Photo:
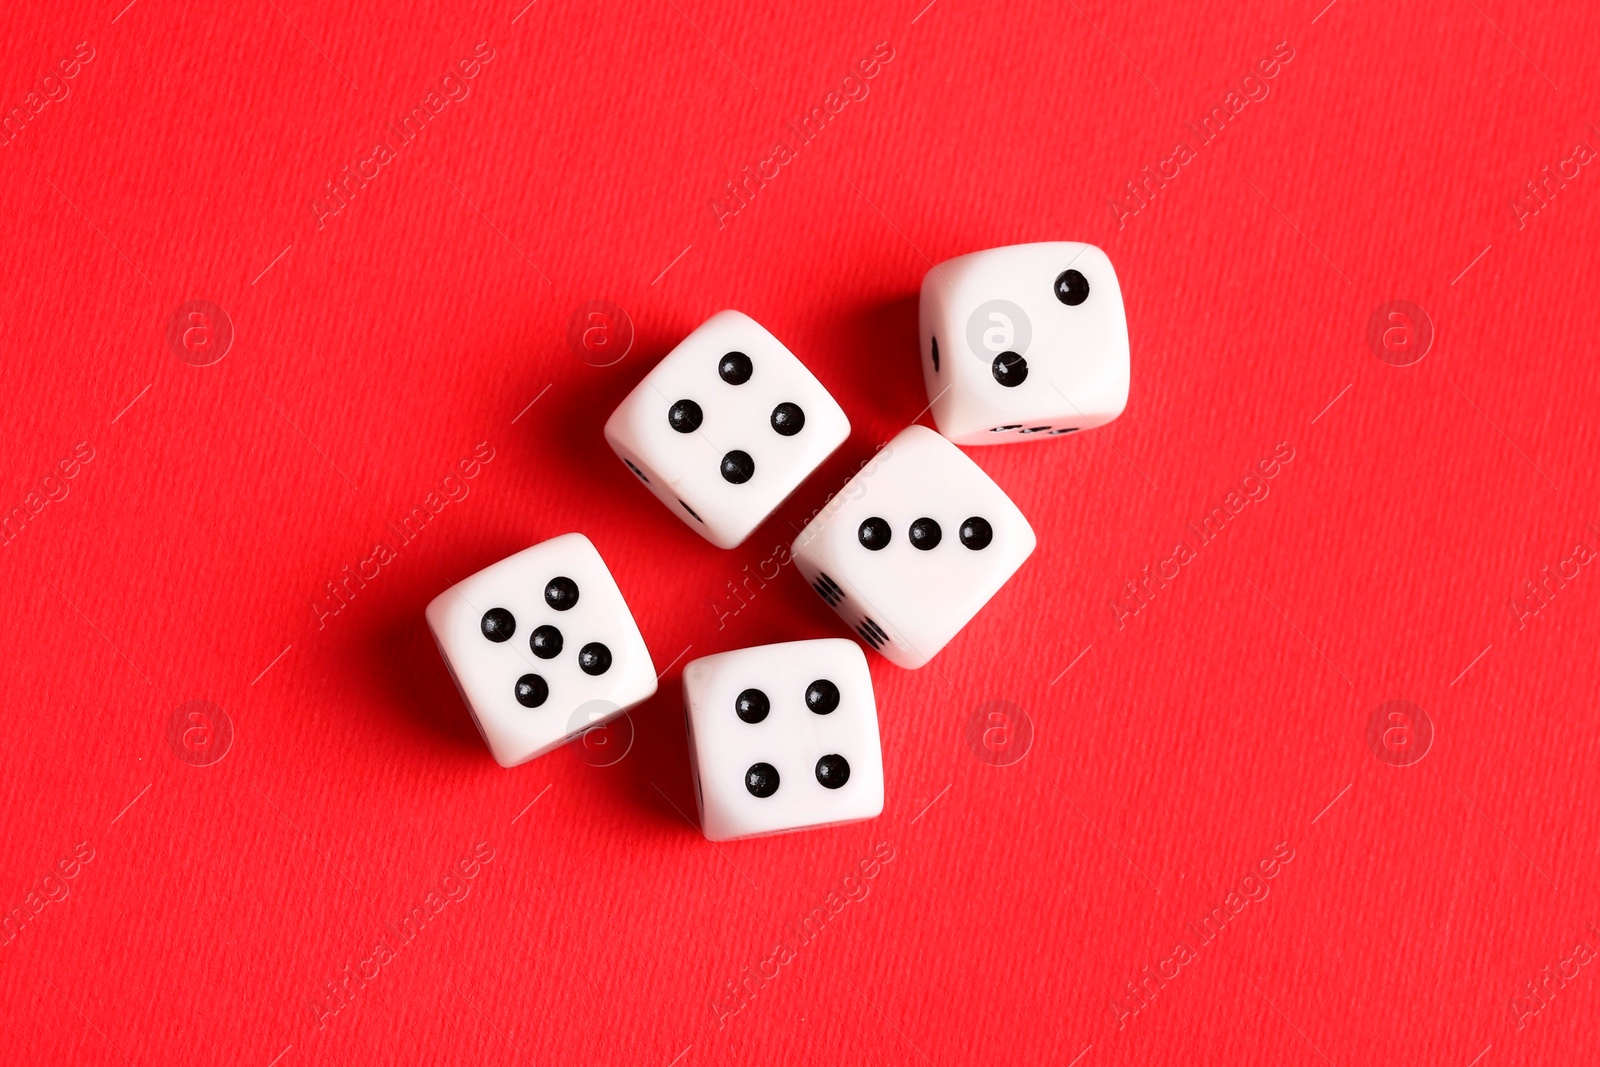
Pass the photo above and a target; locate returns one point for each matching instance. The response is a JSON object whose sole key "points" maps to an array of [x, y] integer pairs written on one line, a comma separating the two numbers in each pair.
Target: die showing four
{"points": [[782, 737], [725, 427], [753, 706]]}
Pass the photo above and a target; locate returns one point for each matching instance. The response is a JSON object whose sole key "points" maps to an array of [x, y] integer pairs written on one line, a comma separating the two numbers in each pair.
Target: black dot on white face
{"points": [[737, 467], [933, 349], [498, 624], [822, 696], [872, 633], [788, 419], [752, 706], [1036, 429], [925, 534], [692, 515], [833, 771], [545, 642], [735, 368], [561, 593], [1010, 369], [594, 658], [976, 533], [1072, 288], [1003, 429], [761, 779], [874, 534], [828, 589], [532, 691], [685, 416], [1064, 429], [637, 471]]}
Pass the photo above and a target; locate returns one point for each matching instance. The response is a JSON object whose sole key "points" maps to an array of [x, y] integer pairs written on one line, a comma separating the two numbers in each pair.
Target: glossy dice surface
{"points": [[783, 737], [913, 546], [541, 646], [725, 427], [1024, 343]]}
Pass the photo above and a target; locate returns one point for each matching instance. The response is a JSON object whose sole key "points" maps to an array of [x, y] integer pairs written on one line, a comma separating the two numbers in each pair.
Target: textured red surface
{"points": [[1173, 748]]}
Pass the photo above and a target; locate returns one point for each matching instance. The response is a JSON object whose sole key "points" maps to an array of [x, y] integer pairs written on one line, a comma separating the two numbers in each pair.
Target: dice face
{"points": [[542, 647], [913, 546], [1024, 343], [783, 737], [725, 427]]}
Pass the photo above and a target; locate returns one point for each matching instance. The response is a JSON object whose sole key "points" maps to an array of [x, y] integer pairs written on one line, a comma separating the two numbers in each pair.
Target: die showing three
{"points": [[913, 546]]}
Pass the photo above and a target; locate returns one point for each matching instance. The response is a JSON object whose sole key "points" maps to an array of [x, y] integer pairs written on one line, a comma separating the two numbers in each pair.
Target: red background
{"points": [[1169, 754]]}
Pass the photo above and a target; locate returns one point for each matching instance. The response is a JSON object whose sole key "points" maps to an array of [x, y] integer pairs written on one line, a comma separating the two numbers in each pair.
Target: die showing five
{"points": [[542, 647], [546, 642]]}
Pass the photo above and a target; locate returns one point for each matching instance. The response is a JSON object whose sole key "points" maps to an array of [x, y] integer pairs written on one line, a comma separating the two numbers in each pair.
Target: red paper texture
{"points": [[355, 881]]}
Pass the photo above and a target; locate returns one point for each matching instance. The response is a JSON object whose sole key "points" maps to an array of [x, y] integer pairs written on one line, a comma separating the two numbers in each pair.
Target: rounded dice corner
{"points": [[719, 745], [827, 559], [730, 317], [1027, 540], [576, 540], [437, 614], [674, 470], [615, 432], [505, 759], [729, 539], [453, 619], [968, 406]]}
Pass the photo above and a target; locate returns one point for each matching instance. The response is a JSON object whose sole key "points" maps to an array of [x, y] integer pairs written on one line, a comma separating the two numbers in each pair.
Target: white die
{"points": [[783, 737], [1024, 342], [571, 656], [944, 540], [725, 427]]}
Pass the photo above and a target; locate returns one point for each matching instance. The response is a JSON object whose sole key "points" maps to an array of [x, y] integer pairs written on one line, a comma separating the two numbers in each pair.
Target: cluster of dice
{"points": [[1017, 344]]}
